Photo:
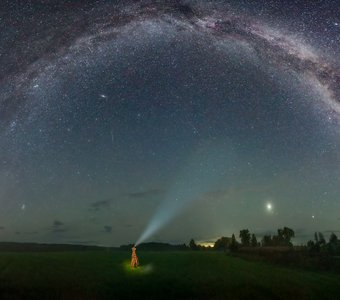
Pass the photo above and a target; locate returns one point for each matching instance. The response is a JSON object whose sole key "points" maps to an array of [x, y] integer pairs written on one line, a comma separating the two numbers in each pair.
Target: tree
{"points": [[192, 245], [333, 244], [245, 237], [222, 243], [277, 240], [267, 241], [313, 247], [233, 244], [322, 240], [253, 240], [283, 237], [333, 239], [287, 235]]}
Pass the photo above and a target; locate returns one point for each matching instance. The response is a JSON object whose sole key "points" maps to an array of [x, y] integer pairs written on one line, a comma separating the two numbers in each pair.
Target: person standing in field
{"points": [[134, 258]]}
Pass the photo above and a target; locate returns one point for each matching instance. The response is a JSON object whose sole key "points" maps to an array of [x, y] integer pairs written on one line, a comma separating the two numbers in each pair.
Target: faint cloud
{"points": [[59, 230], [99, 204], [57, 223], [332, 231], [58, 227], [30, 232], [146, 194], [93, 219], [108, 229], [300, 231]]}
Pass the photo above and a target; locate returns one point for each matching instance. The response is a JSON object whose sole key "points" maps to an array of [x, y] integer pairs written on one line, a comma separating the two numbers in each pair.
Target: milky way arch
{"points": [[51, 50], [110, 111]]}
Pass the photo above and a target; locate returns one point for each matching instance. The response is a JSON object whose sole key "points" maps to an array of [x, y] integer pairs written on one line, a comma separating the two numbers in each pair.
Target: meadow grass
{"points": [[162, 275]]}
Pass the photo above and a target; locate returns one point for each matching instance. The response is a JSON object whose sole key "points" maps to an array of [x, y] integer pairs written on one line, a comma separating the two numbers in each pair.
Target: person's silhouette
{"points": [[134, 258]]}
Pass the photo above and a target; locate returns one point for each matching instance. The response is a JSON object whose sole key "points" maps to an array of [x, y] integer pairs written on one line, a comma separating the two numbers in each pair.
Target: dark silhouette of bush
{"points": [[233, 244], [192, 245], [222, 243], [253, 240]]}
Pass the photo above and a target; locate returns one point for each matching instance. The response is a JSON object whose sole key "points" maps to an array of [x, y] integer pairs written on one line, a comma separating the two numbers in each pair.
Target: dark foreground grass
{"points": [[163, 275]]}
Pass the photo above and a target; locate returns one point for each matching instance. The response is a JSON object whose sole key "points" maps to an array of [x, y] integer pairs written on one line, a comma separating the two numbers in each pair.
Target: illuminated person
{"points": [[134, 258]]}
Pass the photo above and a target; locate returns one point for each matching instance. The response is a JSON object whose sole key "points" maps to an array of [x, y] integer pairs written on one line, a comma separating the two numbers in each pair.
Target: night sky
{"points": [[199, 118]]}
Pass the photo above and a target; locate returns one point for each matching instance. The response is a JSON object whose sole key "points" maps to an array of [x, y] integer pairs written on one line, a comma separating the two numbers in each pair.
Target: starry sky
{"points": [[202, 117]]}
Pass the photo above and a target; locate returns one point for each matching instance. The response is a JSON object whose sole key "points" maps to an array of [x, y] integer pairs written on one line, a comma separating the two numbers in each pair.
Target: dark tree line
{"points": [[281, 239], [248, 239], [319, 245]]}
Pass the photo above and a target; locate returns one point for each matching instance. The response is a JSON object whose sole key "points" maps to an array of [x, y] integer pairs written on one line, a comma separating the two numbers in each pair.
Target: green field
{"points": [[163, 275]]}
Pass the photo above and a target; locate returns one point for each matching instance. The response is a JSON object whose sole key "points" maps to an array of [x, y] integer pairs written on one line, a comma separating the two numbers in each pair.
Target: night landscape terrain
{"points": [[167, 274], [179, 149]]}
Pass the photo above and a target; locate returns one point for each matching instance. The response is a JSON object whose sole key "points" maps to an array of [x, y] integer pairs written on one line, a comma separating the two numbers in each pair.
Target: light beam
{"points": [[205, 169]]}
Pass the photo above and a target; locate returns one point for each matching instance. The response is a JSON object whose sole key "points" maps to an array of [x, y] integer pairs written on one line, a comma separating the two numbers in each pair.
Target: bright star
{"points": [[269, 207]]}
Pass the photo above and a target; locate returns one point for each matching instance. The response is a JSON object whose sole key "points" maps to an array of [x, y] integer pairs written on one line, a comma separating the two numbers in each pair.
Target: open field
{"points": [[163, 275]]}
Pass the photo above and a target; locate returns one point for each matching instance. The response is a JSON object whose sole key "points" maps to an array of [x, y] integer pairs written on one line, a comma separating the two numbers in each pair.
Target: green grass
{"points": [[162, 275]]}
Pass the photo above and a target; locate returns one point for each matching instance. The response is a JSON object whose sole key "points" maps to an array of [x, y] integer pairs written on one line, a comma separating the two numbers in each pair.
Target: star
{"points": [[269, 207]]}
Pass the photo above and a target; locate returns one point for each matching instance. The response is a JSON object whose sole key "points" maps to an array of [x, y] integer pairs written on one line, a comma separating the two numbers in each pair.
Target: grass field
{"points": [[163, 275]]}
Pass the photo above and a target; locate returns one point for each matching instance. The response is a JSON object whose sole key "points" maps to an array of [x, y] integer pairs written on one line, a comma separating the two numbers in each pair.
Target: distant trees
{"points": [[319, 239], [313, 247], [193, 245], [333, 239], [223, 243], [233, 244], [319, 245], [253, 240], [267, 241], [226, 243], [333, 245], [286, 234], [245, 237], [283, 238], [322, 240]]}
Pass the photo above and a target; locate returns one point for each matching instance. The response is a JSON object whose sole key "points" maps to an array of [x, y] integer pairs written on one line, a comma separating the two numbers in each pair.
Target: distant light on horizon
{"points": [[205, 244]]}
